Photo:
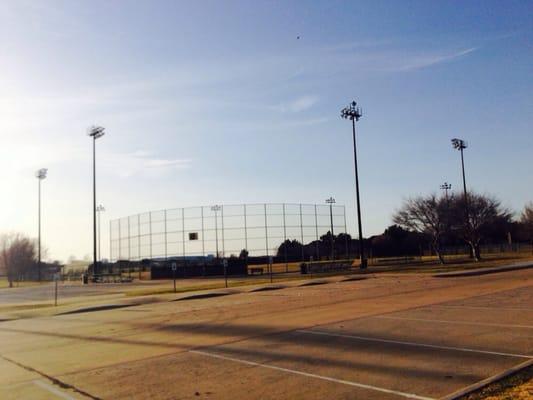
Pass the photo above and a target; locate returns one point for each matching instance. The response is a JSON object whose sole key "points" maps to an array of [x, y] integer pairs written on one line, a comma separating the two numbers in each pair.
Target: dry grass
{"points": [[4, 284], [515, 387]]}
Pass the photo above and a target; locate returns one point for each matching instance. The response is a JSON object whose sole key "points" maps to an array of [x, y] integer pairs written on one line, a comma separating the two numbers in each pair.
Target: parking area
{"points": [[387, 337]]}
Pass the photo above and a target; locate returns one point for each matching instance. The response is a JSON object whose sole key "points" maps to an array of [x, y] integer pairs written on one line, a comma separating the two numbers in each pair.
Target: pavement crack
{"points": [[55, 381]]}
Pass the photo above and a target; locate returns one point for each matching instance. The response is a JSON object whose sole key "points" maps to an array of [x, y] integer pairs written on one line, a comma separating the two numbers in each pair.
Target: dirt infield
{"points": [[387, 337]]}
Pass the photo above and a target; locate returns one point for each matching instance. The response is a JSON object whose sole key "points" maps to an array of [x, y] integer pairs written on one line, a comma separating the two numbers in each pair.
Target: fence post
{"points": [[165, 217], [110, 240], [129, 240], [245, 230], [119, 240], [222, 227], [266, 229], [150, 233], [203, 242], [139, 236], [183, 235]]}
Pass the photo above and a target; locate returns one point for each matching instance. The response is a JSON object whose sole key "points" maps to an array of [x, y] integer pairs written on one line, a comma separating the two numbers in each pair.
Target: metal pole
{"points": [[139, 236], [183, 235], [174, 277], [285, 240], [216, 232], [111, 240], [99, 237], [345, 231], [302, 232], [464, 188], [55, 291], [316, 233], [332, 234], [363, 262], [39, 234], [166, 249], [203, 241], [119, 240], [95, 269], [266, 229], [150, 233], [222, 222], [129, 240], [270, 264], [245, 229]]}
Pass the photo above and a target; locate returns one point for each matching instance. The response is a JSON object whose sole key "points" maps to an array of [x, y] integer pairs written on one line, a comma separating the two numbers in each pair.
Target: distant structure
{"points": [[222, 230]]}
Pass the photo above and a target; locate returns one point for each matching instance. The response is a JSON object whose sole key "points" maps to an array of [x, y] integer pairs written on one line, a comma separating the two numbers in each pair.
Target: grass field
{"points": [[5, 284]]}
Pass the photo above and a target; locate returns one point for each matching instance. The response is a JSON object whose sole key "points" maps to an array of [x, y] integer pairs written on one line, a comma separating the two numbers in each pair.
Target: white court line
{"points": [[53, 390], [431, 346], [309, 375], [522, 309], [442, 321]]}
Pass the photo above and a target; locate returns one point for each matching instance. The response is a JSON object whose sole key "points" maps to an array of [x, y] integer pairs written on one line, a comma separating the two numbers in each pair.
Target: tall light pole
{"points": [[446, 186], [95, 132], [40, 175], [216, 209], [353, 113], [331, 201], [460, 145], [99, 210]]}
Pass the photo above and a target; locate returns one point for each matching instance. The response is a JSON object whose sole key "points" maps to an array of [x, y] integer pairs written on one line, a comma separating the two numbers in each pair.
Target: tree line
{"points": [[18, 259], [426, 221]]}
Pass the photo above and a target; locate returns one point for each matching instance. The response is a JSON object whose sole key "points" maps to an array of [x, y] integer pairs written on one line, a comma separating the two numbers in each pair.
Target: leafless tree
{"points": [[526, 218], [17, 256], [483, 211], [427, 215]]}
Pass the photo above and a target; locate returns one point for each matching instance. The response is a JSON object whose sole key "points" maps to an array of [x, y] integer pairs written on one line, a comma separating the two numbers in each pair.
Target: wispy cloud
{"points": [[141, 162], [419, 61], [297, 105]]}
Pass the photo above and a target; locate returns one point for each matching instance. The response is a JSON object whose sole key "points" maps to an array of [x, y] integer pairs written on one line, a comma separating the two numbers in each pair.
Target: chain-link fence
{"points": [[259, 229]]}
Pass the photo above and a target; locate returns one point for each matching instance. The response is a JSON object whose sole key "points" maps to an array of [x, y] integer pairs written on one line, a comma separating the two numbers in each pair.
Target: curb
{"points": [[485, 382], [482, 271]]}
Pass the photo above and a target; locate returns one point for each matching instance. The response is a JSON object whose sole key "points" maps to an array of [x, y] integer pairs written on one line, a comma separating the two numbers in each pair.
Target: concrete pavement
{"points": [[389, 337]]}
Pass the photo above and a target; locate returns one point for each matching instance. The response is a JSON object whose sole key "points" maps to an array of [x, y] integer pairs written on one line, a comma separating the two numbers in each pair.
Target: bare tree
{"points": [[17, 256], [484, 211], [526, 218], [426, 215]]}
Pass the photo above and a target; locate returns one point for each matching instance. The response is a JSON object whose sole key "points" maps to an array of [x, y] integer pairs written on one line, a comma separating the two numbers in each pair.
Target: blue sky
{"points": [[220, 102]]}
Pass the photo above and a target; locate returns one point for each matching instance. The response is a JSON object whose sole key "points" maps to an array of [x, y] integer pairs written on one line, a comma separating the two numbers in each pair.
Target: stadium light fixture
{"points": [[446, 186], [40, 175], [216, 209], [354, 113], [95, 132]]}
